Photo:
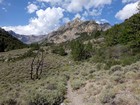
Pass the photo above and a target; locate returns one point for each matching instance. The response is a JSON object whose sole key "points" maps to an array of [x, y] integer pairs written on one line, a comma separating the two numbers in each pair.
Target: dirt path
{"points": [[73, 97]]}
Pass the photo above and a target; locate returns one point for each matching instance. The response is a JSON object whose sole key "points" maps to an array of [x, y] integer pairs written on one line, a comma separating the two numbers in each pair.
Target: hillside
{"points": [[127, 33], [65, 81], [99, 67], [118, 45], [8, 42], [73, 29]]}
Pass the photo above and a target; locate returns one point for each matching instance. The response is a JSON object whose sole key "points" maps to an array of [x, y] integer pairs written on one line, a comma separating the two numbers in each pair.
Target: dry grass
{"points": [[119, 85]]}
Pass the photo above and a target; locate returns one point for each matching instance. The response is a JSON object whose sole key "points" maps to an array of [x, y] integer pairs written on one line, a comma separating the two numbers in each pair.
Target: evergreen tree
{"points": [[77, 50], [88, 50], [2, 45]]}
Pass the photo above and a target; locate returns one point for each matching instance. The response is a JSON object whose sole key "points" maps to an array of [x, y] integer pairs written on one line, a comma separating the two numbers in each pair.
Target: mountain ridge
{"points": [[72, 30], [27, 39]]}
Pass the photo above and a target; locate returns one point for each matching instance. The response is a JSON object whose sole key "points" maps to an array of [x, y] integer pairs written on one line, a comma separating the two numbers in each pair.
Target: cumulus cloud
{"points": [[127, 11], [46, 21], [76, 5], [32, 8]]}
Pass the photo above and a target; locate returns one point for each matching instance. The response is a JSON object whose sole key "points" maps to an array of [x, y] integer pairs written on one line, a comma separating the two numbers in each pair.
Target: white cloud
{"points": [[1, 1], [95, 12], [85, 14], [98, 3], [46, 21], [101, 21], [77, 16], [4, 9], [104, 21], [32, 8], [53, 2], [127, 11], [78, 5], [66, 20], [129, 1]]}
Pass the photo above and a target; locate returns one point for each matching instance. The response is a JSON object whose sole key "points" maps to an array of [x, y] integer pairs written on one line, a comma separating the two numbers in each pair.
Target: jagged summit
{"points": [[70, 30]]}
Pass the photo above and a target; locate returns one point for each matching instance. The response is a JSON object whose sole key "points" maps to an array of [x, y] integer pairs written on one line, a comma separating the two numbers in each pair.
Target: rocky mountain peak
{"points": [[76, 21], [71, 30]]}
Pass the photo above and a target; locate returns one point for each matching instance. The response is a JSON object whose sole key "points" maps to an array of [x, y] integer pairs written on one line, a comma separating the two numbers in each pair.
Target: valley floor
{"points": [[66, 82]]}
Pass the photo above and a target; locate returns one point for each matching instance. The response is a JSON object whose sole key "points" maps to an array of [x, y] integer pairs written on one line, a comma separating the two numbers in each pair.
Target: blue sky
{"points": [[43, 16]]}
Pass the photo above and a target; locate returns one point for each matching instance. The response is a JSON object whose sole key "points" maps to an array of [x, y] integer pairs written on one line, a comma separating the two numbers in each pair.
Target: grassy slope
{"points": [[96, 85]]}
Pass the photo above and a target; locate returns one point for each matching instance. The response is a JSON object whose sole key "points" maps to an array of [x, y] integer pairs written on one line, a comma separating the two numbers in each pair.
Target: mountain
{"points": [[73, 29], [28, 39], [8, 42]]}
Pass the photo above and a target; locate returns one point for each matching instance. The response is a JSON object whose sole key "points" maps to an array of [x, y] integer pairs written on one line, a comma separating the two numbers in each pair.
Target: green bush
{"points": [[59, 50], [107, 96], [80, 51], [77, 50], [35, 46]]}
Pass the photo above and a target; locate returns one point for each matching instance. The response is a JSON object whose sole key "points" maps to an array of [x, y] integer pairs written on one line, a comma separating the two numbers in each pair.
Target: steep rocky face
{"points": [[28, 39], [72, 30]]}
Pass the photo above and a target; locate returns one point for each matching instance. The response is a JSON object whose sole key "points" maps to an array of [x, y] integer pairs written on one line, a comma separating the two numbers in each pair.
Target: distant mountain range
{"points": [[8, 42], [28, 39], [73, 29]]}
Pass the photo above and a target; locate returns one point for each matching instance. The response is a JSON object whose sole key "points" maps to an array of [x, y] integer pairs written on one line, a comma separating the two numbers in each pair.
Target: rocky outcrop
{"points": [[73, 29]]}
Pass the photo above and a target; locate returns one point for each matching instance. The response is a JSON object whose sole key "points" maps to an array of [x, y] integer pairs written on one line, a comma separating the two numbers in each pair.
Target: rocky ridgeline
{"points": [[73, 29], [28, 39]]}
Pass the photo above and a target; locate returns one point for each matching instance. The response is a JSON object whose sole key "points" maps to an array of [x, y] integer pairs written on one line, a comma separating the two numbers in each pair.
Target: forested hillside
{"points": [[8, 42], [127, 33]]}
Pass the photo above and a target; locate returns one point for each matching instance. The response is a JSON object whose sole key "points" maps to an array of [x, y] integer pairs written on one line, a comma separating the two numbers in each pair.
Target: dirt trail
{"points": [[73, 97]]}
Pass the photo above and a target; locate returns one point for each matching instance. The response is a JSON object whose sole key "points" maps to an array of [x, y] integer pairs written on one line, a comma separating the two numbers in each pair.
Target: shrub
{"points": [[9, 102], [77, 84], [59, 50], [88, 49], [79, 51], [115, 68], [107, 96], [35, 46]]}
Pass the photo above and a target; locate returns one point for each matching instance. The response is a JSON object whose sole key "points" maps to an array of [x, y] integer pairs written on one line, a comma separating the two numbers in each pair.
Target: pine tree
{"points": [[88, 50], [2, 45], [77, 50]]}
